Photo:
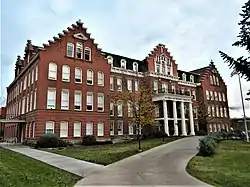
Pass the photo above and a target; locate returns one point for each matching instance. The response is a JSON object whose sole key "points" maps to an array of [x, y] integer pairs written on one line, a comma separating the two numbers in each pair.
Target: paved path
{"points": [[164, 165], [78, 167]]}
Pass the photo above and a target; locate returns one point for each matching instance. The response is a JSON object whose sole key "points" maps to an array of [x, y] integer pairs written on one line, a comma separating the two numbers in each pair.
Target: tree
{"points": [[203, 115], [242, 64], [142, 108]]}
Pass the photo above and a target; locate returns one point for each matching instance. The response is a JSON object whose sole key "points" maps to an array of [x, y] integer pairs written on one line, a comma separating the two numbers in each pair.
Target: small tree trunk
{"points": [[138, 138]]}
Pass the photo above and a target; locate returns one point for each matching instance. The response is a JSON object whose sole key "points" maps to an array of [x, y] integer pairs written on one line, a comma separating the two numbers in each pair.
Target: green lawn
{"points": [[107, 154], [18, 170], [229, 167]]}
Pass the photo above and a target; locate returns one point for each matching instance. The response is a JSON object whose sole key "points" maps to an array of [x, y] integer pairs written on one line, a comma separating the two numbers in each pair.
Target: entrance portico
{"points": [[170, 102]]}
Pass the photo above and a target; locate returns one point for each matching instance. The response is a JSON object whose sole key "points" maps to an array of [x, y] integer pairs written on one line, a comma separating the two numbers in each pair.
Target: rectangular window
{"points": [[119, 84], [87, 54], [31, 101], [89, 128], [100, 78], [136, 85], [77, 129], [49, 127], [219, 94], [90, 77], [211, 80], [208, 95], [221, 112], [119, 109], [156, 86], [164, 87], [223, 97], [89, 101], [36, 73], [111, 109], [78, 75], [32, 76], [78, 100], [225, 112], [112, 128], [194, 95], [70, 50], [19, 107], [130, 129], [64, 129], [129, 85], [27, 103], [25, 82], [120, 127], [100, 129], [215, 96], [65, 100], [34, 100], [29, 79], [33, 130], [212, 95], [130, 110], [111, 83], [51, 99], [100, 102]]}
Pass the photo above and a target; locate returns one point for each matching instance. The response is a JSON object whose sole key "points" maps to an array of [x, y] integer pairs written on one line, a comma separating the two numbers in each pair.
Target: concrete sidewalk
{"points": [[78, 167], [163, 165]]}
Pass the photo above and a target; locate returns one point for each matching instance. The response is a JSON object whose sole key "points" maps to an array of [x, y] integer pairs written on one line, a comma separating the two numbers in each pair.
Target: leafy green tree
{"points": [[242, 64]]}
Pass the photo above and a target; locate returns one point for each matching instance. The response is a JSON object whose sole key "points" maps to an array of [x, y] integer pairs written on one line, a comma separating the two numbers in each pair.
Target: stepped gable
{"points": [[207, 70], [78, 30]]}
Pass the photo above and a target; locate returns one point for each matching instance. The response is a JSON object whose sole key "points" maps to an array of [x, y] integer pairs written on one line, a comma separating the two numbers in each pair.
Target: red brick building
{"points": [[67, 86]]}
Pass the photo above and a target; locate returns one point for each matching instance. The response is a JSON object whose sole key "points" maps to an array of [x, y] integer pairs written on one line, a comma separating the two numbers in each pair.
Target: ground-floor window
{"points": [[89, 128], [210, 128], [215, 128], [120, 128], [130, 129], [219, 129], [112, 128], [64, 129], [139, 129], [49, 127], [77, 129], [100, 129]]}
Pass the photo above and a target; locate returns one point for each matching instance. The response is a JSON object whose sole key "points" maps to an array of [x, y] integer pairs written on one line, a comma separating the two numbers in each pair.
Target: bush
{"points": [[104, 142], [159, 134], [89, 140], [31, 143], [62, 143], [207, 146], [48, 140], [201, 133]]}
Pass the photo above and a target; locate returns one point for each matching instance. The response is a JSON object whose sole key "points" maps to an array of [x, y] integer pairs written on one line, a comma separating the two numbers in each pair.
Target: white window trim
{"points": [[135, 66], [52, 74], [112, 131], [65, 76], [65, 107], [100, 104], [100, 129], [80, 47], [89, 50], [64, 131], [92, 101], [119, 84], [89, 128], [52, 90], [47, 124], [121, 131], [78, 76], [119, 103], [78, 93], [77, 132], [123, 64], [111, 81], [90, 78], [70, 45], [100, 79]]}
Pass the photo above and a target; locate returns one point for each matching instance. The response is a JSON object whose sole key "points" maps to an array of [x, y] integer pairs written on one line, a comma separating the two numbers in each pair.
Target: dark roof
{"points": [[142, 65], [196, 76]]}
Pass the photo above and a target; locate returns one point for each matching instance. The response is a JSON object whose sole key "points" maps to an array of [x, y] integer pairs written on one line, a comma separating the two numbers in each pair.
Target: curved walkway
{"points": [[163, 165]]}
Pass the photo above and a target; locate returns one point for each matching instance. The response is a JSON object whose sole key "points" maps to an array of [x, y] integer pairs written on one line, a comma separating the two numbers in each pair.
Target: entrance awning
{"points": [[12, 121]]}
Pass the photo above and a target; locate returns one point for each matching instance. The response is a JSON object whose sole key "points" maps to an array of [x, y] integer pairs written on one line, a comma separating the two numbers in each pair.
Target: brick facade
{"points": [[34, 69]]}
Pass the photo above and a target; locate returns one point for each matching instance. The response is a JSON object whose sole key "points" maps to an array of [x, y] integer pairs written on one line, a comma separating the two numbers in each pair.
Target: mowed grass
{"points": [[229, 167], [17, 170], [107, 154]]}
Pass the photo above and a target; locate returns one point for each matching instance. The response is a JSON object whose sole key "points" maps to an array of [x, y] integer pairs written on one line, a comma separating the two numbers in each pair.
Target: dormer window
{"points": [[123, 64], [110, 60], [157, 68], [79, 50], [135, 66], [191, 78], [184, 77]]}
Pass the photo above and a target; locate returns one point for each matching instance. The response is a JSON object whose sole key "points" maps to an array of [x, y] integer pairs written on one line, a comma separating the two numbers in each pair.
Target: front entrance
{"points": [[21, 132]]}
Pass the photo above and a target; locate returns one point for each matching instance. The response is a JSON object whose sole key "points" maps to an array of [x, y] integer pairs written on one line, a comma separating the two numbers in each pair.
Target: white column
{"points": [[175, 119], [165, 112], [191, 119], [183, 123]]}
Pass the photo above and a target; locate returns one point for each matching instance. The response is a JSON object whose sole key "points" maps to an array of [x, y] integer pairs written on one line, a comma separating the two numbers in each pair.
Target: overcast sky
{"points": [[192, 30]]}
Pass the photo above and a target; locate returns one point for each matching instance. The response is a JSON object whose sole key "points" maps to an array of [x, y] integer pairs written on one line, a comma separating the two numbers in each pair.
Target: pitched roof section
{"points": [[142, 65]]}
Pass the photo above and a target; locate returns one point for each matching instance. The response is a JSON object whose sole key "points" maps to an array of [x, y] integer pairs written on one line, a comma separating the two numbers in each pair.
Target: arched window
{"points": [[110, 60], [52, 71], [135, 66], [90, 77], [191, 78], [65, 73], [119, 109], [112, 105], [123, 64], [184, 76], [78, 75], [79, 50], [100, 78], [87, 54]]}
